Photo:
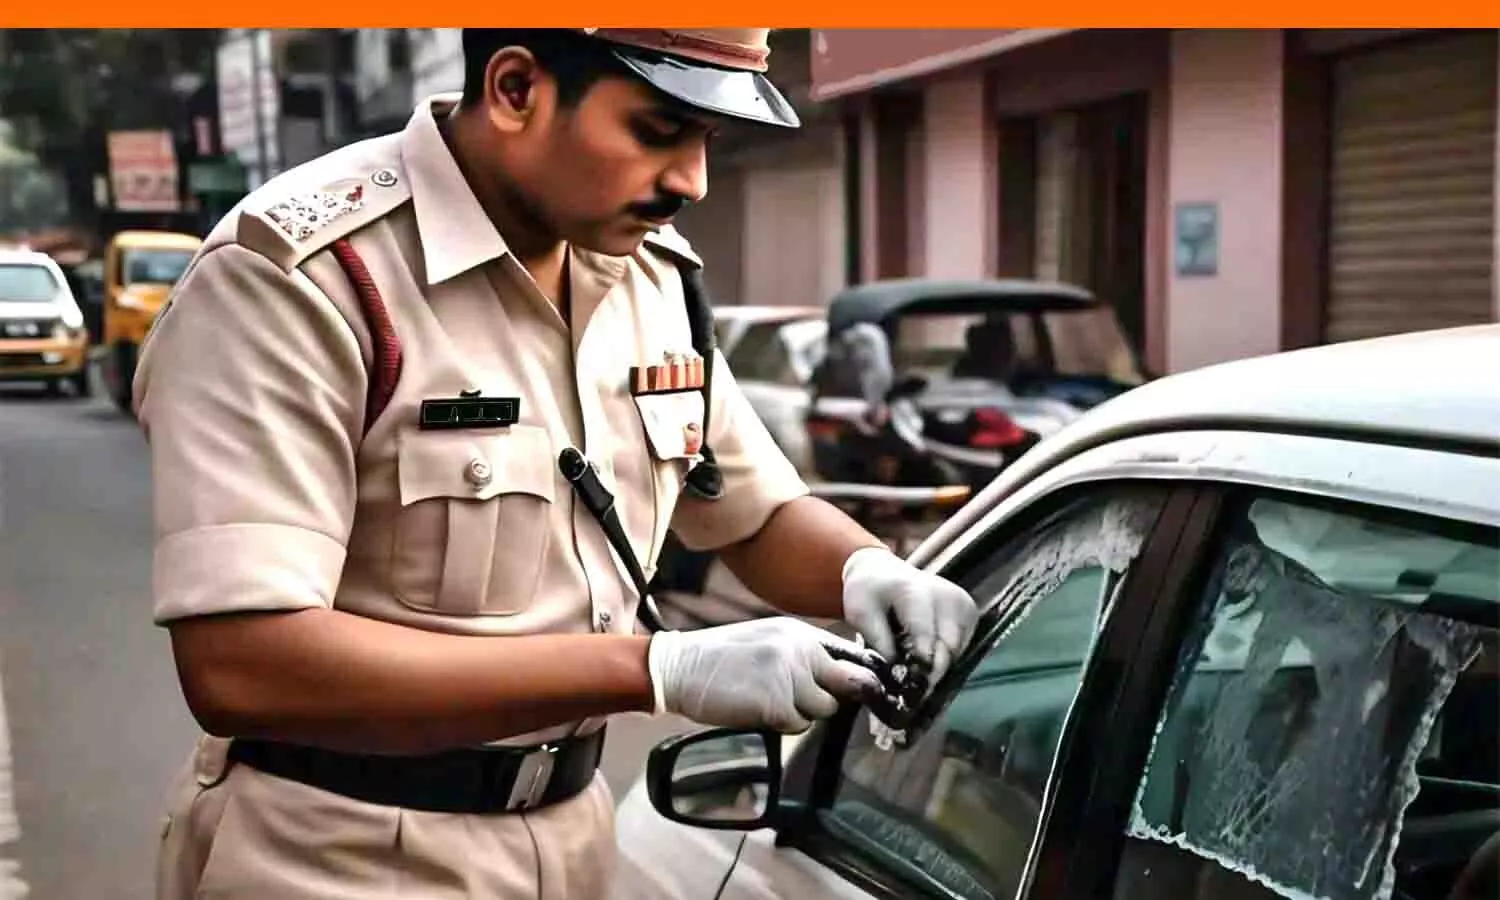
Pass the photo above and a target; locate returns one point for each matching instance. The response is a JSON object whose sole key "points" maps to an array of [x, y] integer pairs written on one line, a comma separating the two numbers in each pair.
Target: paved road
{"points": [[96, 724]]}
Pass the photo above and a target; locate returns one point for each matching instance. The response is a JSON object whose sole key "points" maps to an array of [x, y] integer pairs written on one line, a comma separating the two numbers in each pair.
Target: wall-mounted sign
{"points": [[143, 171], [1196, 244]]}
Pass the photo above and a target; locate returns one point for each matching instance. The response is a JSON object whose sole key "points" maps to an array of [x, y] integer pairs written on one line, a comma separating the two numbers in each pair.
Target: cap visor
{"points": [[727, 92]]}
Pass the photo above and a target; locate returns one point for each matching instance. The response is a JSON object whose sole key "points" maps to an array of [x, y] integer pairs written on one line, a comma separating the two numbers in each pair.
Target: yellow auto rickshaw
{"points": [[140, 270]]}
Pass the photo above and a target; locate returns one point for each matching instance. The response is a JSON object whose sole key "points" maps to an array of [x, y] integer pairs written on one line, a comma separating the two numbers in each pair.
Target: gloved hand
{"points": [[779, 673], [937, 615]]}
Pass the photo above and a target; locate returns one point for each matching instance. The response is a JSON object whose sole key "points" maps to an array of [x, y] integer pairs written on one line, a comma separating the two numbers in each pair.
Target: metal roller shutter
{"points": [[1412, 230]]}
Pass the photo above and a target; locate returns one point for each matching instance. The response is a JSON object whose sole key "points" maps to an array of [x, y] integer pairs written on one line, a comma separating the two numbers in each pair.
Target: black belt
{"points": [[473, 781]]}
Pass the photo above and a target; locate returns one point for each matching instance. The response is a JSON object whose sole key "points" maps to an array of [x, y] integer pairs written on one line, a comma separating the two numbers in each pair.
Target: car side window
{"points": [[956, 812], [761, 356], [1331, 730]]}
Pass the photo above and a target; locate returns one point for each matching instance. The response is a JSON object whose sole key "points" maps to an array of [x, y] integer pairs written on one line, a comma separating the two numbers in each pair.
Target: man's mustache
{"points": [[663, 207]]}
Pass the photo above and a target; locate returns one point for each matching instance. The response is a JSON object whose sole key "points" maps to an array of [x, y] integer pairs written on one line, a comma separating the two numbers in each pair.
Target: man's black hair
{"points": [[572, 58]]}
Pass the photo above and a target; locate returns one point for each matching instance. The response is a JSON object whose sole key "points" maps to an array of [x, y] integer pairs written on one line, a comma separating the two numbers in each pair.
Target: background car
{"points": [[141, 267], [42, 334], [983, 369], [772, 351], [1240, 638], [732, 322]]}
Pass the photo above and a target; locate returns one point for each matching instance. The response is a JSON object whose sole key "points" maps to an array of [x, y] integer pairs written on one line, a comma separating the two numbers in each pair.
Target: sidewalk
{"points": [[11, 885]]}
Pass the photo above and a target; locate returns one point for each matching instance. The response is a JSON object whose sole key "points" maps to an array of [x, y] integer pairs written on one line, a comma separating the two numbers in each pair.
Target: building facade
{"points": [[772, 230], [383, 79], [437, 61], [285, 96], [1231, 192]]}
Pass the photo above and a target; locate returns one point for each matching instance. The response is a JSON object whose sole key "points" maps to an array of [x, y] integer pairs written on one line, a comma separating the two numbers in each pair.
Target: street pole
{"points": [[257, 72], [332, 132]]}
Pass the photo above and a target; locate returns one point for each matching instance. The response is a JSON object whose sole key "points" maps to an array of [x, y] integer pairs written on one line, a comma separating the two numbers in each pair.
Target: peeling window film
{"points": [[1289, 748], [966, 796], [1102, 537]]}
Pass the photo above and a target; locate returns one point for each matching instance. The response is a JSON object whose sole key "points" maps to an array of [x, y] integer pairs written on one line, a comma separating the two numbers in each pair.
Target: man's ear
{"points": [[510, 87]]}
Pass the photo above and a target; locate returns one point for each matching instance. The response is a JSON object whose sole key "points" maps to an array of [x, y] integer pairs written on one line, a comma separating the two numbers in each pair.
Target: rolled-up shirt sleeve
{"points": [[250, 391], [758, 477]]}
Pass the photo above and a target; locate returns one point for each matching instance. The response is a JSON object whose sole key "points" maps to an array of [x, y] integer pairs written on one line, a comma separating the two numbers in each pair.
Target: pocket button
{"points": [[477, 472]]}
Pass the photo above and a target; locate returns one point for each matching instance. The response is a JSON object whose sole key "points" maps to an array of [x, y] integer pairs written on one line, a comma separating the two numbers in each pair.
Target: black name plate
{"points": [[470, 412]]}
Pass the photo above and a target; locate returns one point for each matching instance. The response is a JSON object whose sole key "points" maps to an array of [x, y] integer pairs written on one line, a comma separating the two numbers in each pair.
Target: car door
{"points": [[956, 814], [1328, 718]]}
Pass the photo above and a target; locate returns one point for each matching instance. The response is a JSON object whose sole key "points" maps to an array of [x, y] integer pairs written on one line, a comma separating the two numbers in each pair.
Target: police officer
{"points": [[400, 631]]}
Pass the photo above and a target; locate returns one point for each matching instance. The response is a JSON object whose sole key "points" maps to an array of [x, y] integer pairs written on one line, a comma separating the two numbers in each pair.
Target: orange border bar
{"points": [[886, 14]]}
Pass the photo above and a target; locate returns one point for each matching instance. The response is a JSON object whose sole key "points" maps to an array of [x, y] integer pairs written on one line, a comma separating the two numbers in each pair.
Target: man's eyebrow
{"points": [[678, 113]]}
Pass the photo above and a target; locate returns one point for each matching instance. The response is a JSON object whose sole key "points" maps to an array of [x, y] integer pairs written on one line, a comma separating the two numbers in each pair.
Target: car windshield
{"points": [[156, 266], [26, 283], [1052, 343]]}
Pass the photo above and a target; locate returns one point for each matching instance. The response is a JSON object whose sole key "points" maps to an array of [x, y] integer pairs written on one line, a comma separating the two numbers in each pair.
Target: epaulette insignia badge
{"points": [[301, 217]]}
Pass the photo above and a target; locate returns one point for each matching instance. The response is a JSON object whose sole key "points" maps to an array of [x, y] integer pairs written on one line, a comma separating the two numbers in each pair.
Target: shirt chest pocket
{"points": [[475, 521], [673, 425]]}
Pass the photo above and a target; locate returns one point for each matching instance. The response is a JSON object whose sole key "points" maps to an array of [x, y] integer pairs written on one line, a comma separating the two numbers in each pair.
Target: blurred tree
{"points": [[30, 197], [63, 89]]}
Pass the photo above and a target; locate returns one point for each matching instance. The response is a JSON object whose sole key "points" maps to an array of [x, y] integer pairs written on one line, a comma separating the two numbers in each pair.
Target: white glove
{"points": [[936, 615], [779, 673]]}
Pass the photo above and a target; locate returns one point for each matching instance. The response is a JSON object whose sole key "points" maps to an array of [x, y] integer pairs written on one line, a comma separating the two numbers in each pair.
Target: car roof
{"points": [[876, 301], [1439, 386], [175, 240], [26, 257], [766, 313]]}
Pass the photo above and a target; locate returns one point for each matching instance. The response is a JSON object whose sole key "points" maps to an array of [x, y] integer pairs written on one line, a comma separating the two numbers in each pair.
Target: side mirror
{"points": [[721, 778]]}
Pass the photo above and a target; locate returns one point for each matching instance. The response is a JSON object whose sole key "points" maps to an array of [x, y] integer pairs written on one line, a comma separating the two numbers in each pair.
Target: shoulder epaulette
{"points": [[289, 226], [674, 245]]}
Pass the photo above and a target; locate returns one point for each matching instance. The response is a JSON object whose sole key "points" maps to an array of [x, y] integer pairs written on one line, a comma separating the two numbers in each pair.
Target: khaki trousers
{"points": [[233, 832]]}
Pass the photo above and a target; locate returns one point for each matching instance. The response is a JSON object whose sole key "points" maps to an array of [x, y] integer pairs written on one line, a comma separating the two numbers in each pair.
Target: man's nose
{"points": [[688, 175]]}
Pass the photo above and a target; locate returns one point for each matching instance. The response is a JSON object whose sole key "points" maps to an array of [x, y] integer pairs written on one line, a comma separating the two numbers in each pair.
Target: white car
{"points": [[1240, 639], [772, 351], [42, 333]]}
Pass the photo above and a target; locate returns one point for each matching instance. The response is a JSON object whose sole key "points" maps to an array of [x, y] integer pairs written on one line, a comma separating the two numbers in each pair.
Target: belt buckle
{"points": [[532, 778]]}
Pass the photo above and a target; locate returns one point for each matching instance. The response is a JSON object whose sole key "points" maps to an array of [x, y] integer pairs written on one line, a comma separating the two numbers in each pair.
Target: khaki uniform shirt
{"points": [[251, 389]]}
